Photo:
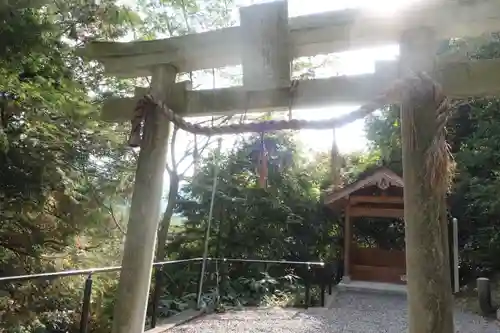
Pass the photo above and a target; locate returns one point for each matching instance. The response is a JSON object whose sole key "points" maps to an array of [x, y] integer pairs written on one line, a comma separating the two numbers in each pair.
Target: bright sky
{"points": [[350, 137]]}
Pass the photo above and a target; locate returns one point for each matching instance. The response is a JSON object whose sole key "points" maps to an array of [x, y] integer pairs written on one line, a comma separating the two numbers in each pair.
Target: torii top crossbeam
{"points": [[267, 41], [309, 35]]}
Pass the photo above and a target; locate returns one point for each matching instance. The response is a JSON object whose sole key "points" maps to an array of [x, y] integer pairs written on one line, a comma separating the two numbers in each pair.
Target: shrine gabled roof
{"points": [[381, 177]]}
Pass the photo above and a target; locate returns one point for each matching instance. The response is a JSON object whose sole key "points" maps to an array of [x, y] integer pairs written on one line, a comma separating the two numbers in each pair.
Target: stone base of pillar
{"points": [[346, 279]]}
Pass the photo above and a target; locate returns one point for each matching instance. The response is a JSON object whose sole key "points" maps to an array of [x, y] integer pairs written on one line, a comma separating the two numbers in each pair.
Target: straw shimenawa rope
{"points": [[148, 103], [439, 165]]}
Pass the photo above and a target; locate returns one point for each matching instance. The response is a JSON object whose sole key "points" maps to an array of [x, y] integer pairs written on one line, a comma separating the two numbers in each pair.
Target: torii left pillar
{"points": [[131, 303]]}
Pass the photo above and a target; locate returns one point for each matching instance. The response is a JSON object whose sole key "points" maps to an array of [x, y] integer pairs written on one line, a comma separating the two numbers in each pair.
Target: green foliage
{"points": [[61, 169], [285, 221], [272, 217], [65, 176], [51, 137]]}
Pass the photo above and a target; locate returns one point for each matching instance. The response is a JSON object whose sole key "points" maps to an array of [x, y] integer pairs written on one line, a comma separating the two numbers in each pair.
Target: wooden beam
{"points": [[356, 199], [266, 52], [459, 80], [479, 78], [376, 212], [309, 94], [310, 35], [121, 109]]}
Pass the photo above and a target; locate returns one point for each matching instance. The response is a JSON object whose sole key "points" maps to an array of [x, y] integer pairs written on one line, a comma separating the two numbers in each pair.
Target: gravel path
{"points": [[352, 313]]}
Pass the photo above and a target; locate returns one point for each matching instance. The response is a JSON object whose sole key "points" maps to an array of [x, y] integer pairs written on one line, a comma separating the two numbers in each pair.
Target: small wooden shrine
{"points": [[377, 194]]}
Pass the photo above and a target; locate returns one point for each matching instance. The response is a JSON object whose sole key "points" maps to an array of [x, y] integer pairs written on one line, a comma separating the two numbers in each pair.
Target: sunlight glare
{"points": [[386, 7]]}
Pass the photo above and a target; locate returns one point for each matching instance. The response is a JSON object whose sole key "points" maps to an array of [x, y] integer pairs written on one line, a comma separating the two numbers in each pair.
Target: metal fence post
{"points": [[156, 295], [87, 293], [199, 285], [308, 287], [323, 276], [456, 263], [450, 251]]}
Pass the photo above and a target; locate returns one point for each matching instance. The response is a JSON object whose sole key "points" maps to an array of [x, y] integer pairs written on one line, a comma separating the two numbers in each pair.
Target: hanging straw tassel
{"points": [[335, 164], [196, 157], [263, 160], [135, 136]]}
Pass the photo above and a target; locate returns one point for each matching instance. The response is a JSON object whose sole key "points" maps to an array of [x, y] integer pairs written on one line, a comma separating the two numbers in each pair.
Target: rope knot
{"points": [[144, 105]]}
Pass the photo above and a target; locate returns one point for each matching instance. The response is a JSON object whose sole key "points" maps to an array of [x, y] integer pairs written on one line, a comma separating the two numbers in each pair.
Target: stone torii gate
{"points": [[264, 44]]}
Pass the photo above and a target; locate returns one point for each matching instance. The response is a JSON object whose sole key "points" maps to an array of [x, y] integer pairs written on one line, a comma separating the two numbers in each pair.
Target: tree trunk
{"points": [[161, 251], [173, 190]]}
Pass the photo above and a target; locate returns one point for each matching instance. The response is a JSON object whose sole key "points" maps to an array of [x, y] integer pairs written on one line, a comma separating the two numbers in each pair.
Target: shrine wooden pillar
{"points": [[347, 243]]}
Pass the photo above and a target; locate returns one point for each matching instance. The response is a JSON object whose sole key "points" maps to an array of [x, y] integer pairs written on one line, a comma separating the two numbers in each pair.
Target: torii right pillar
{"points": [[425, 170]]}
